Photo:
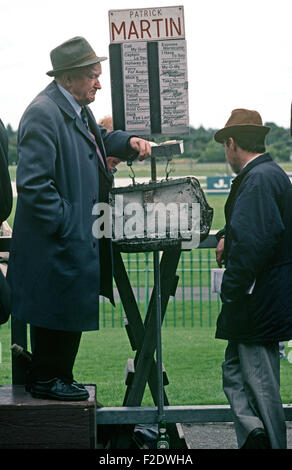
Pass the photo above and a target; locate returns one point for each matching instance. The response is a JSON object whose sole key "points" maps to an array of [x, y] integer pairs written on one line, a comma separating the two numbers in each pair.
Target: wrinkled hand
{"points": [[112, 162], [141, 146], [220, 252]]}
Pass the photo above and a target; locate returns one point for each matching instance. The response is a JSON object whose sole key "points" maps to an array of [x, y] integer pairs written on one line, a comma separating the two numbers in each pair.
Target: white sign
{"points": [[147, 24], [136, 87], [173, 86]]}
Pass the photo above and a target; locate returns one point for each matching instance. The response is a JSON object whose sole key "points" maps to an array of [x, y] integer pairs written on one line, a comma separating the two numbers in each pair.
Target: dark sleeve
{"points": [[117, 144], [6, 198], [255, 230], [220, 234]]}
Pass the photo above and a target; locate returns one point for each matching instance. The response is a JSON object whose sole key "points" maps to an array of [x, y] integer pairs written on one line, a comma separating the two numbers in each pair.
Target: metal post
{"points": [[160, 397], [157, 287]]}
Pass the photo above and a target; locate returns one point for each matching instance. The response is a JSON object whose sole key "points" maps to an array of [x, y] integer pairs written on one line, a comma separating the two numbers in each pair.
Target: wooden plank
{"points": [[130, 372], [144, 358], [135, 326], [31, 423], [173, 414], [136, 331]]}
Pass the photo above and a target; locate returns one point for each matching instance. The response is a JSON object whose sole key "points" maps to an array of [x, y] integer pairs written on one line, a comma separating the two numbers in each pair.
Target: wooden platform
{"points": [[31, 423]]}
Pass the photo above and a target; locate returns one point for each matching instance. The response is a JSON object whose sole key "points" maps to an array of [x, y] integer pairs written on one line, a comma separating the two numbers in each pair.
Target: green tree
{"points": [[213, 152]]}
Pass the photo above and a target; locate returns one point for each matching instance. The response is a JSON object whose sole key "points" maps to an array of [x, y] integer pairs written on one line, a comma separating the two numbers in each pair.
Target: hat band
{"points": [[76, 61]]}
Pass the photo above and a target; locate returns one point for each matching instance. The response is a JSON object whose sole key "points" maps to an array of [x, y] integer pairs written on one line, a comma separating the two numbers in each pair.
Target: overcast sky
{"points": [[239, 53]]}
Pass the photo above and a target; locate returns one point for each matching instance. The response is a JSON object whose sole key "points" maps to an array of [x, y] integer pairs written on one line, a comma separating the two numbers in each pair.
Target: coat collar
{"points": [[56, 95], [266, 157]]}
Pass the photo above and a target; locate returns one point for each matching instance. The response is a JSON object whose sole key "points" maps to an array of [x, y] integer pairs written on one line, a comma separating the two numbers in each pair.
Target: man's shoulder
{"points": [[265, 165], [268, 174], [41, 107]]}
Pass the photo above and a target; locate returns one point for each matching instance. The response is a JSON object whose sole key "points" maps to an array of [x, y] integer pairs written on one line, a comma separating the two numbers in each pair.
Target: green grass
{"points": [[181, 167], [191, 356]]}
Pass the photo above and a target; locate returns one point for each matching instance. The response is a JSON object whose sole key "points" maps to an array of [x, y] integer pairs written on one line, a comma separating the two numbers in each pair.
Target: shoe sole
{"points": [[52, 396]]}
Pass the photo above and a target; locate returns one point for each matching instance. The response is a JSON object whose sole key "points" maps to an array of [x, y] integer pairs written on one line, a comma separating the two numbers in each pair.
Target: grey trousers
{"points": [[251, 382]]}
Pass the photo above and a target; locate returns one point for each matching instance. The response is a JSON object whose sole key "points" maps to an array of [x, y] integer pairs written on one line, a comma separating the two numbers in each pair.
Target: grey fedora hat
{"points": [[71, 54]]}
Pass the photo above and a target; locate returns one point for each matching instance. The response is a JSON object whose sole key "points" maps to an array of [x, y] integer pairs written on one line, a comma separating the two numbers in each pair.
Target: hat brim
{"points": [[222, 134], [92, 61]]}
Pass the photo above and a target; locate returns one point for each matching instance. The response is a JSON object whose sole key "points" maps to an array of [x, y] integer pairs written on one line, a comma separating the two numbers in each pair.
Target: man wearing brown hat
{"points": [[57, 268], [256, 289]]}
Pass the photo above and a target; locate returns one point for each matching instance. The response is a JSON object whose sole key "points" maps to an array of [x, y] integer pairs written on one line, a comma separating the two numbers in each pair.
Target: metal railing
{"points": [[194, 303]]}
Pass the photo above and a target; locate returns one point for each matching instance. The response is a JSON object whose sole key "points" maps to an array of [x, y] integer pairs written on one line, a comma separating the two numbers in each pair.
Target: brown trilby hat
{"points": [[241, 120], [71, 54]]}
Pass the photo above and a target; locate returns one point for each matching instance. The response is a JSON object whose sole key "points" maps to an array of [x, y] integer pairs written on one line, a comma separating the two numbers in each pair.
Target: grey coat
{"points": [[55, 269]]}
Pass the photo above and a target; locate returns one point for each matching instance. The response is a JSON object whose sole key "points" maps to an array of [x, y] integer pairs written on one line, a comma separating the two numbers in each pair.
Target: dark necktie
{"points": [[84, 118]]}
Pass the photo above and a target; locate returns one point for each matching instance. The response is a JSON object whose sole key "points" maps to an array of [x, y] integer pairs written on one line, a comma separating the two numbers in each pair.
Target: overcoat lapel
{"points": [[53, 91]]}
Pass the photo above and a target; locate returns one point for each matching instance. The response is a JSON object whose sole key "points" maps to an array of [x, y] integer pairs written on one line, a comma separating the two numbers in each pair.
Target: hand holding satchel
{"points": [[5, 299]]}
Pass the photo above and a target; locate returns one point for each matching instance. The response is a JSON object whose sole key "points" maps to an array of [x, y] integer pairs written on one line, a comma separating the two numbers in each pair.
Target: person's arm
{"points": [[125, 146], [255, 229], [6, 197], [220, 253], [220, 247]]}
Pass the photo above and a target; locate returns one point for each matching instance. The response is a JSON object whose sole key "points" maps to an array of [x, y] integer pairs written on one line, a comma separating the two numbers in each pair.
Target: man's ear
{"points": [[67, 78], [232, 143]]}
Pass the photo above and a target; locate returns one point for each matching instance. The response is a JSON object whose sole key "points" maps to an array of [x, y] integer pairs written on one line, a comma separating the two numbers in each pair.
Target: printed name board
{"points": [[145, 24], [149, 79]]}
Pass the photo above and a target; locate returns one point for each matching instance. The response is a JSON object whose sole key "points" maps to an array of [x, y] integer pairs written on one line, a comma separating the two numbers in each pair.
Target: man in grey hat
{"points": [[256, 290], [57, 268]]}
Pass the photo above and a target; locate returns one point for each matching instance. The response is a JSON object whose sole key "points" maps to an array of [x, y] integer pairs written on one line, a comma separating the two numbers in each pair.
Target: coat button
{"points": [[91, 156], [93, 244]]}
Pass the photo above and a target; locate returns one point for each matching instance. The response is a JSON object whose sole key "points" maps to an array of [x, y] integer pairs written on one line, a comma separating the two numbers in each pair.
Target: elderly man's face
{"points": [[85, 85]]}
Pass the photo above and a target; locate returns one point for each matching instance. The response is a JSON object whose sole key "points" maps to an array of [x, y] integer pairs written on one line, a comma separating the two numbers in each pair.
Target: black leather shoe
{"points": [[82, 386], [78, 384], [257, 439], [56, 389]]}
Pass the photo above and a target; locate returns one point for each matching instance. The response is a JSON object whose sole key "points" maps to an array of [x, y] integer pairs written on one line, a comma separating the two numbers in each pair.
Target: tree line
{"points": [[199, 144]]}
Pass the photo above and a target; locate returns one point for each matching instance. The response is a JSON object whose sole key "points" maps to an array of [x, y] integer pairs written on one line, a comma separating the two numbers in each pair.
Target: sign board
{"points": [[219, 184], [146, 24], [148, 62]]}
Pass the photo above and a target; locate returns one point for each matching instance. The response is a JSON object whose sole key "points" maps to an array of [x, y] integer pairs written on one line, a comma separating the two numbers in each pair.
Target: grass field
{"points": [[182, 167], [191, 356]]}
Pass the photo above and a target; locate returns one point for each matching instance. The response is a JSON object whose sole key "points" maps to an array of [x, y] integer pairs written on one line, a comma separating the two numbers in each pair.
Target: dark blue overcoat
{"points": [[258, 248], [54, 268]]}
